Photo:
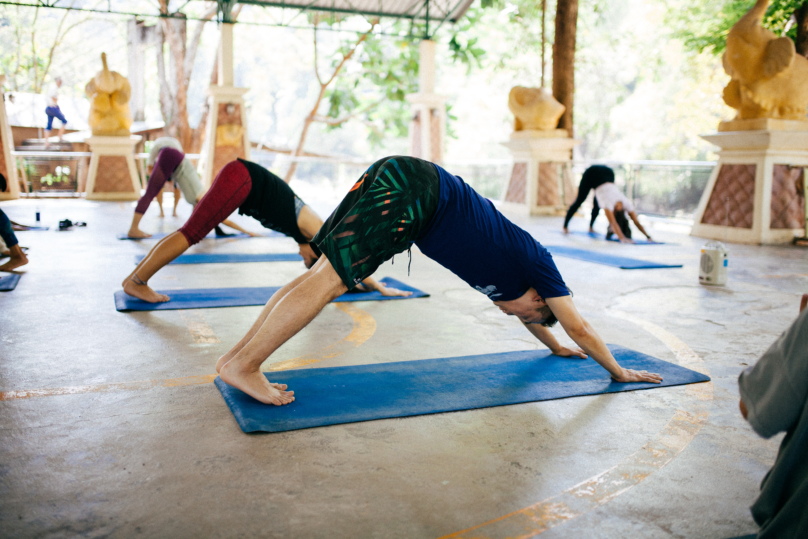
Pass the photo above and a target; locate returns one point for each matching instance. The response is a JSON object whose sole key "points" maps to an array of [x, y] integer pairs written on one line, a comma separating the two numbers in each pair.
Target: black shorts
{"points": [[388, 209]]}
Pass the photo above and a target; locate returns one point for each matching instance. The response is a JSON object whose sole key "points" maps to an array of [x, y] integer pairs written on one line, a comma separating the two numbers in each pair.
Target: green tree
{"points": [[704, 26]]}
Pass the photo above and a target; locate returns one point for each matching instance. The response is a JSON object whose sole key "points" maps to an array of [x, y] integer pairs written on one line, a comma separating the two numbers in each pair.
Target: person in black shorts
{"points": [[399, 201], [252, 190]]}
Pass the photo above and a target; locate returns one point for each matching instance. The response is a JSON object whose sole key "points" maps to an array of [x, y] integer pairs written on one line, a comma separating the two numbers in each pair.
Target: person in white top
{"points": [[616, 205], [53, 111]]}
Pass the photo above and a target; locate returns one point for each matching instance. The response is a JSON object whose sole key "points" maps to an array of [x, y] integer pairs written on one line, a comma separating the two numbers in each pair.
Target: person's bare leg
{"points": [[47, 138], [159, 198], [161, 254], [134, 230], [291, 314], [17, 258], [276, 297], [62, 133], [176, 200]]}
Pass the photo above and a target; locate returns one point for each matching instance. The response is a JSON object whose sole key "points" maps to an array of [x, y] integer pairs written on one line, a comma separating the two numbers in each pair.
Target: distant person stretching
{"points": [[397, 202], [616, 205], [53, 111], [593, 177], [252, 190], [166, 162], [17, 257]]}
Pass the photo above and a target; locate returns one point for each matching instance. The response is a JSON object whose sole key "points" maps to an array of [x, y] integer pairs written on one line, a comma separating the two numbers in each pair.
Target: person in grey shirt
{"points": [[774, 398]]}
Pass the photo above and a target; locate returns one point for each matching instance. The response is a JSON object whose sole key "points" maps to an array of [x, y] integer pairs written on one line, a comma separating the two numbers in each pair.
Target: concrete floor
{"points": [[128, 437]]}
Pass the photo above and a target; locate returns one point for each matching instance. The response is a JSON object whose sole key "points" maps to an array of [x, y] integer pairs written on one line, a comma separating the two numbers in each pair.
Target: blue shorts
{"points": [[54, 112]]}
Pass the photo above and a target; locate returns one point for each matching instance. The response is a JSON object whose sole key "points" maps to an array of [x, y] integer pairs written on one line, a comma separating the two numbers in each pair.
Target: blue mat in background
{"points": [[207, 298], [211, 236], [232, 258], [331, 396], [33, 228], [598, 257], [8, 281], [602, 237]]}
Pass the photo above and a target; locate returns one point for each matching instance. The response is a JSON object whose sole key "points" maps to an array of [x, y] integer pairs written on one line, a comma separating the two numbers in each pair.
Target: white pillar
{"points": [[428, 126], [226, 55]]}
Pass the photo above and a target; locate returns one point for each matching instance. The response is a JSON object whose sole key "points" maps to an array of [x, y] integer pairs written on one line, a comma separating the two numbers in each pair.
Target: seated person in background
{"points": [[609, 197], [252, 190], [593, 177], [774, 398], [17, 257], [167, 162]]}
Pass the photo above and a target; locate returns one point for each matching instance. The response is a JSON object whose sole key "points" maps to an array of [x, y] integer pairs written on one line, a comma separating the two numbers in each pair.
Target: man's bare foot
{"points": [[143, 291], [162, 215], [14, 262], [174, 214], [256, 385], [137, 233]]}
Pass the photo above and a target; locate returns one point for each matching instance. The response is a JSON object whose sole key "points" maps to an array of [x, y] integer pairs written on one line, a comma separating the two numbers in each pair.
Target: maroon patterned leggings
{"points": [[164, 166], [228, 192]]}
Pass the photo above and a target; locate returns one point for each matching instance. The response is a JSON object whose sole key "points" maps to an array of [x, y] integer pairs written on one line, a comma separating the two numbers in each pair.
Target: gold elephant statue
{"points": [[109, 93], [534, 109], [769, 78]]}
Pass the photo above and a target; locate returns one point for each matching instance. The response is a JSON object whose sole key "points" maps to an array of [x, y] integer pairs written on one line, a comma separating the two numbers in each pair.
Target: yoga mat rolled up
{"points": [[336, 395], [232, 258], [8, 281], [597, 257], [207, 298]]}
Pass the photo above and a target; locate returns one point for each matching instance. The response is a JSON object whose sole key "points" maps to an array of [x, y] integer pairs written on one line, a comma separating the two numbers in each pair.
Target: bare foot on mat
{"points": [[143, 291], [137, 233], [255, 384]]}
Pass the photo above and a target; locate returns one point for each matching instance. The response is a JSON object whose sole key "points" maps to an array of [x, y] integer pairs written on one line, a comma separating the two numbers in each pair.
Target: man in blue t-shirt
{"points": [[397, 202]]}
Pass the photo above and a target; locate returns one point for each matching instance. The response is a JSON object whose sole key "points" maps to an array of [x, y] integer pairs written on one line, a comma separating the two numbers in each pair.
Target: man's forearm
{"points": [[585, 337], [544, 335]]}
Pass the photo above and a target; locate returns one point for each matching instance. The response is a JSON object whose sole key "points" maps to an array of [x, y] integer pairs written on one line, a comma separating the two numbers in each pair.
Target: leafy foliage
{"points": [[704, 26]]}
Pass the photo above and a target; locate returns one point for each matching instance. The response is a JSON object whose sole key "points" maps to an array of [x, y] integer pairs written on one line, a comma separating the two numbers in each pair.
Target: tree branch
{"points": [[338, 121]]}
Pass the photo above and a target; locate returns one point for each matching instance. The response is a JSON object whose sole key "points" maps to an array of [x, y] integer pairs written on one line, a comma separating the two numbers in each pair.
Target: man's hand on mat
{"points": [[254, 234], [393, 292], [563, 351], [630, 375]]}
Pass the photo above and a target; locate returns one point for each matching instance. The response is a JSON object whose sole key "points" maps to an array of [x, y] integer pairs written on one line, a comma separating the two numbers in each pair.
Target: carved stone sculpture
{"points": [[769, 79], [109, 93], [534, 109]]}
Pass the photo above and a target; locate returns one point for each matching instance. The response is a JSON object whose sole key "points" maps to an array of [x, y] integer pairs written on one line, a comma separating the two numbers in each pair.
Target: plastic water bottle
{"points": [[37, 215]]}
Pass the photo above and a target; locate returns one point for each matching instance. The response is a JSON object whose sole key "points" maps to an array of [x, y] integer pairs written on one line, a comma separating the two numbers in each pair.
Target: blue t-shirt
{"points": [[471, 238]]}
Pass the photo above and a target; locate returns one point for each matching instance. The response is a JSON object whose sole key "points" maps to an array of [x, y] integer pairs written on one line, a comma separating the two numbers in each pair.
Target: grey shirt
{"points": [[775, 392], [185, 176]]}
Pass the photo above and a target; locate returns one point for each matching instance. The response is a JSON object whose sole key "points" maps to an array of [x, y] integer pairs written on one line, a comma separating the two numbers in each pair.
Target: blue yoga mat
{"points": [[207, 298], [8, 281], [232, 258], [161, 235], [598, 236], [330, 396], [33, 228], [597, 257]]}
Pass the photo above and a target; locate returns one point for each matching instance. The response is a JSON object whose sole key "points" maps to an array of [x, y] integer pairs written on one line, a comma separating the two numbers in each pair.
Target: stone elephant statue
{"points": [[769, 78], [109, 93], [534, 109]]}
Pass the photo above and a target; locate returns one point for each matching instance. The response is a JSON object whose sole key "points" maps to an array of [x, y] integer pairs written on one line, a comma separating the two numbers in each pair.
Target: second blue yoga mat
{"points": [[207, 298], [599, 236], [598, 257], [8, 281], [331, 396], [232, 258], [161, 235]]}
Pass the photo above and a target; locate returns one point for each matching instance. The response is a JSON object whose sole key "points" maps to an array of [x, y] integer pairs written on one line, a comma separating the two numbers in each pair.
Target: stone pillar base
{"points": [[113, 174], [541, 176], [755, 191], [226, 133]]}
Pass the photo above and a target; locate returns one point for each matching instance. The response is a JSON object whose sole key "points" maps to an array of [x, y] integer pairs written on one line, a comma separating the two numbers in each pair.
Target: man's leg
{"points": [[290, 314], [161, 254], [159, 199], [276, 297], [176, 200]]}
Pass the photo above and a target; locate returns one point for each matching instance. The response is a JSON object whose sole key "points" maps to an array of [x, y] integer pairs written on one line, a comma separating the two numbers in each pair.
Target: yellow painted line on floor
{"points": [[198, 327], [364, 326], [631, 471]]}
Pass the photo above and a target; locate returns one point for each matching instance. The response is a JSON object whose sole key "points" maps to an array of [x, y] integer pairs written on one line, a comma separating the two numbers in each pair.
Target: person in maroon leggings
{"points": [[254, 191]]}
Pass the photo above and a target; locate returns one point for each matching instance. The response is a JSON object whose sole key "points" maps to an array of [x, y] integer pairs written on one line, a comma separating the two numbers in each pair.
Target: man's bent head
{"points": [[530, 308]]}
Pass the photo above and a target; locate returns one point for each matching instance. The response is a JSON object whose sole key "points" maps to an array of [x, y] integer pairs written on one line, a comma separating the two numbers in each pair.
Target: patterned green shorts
{"points": [[381, 216]]}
